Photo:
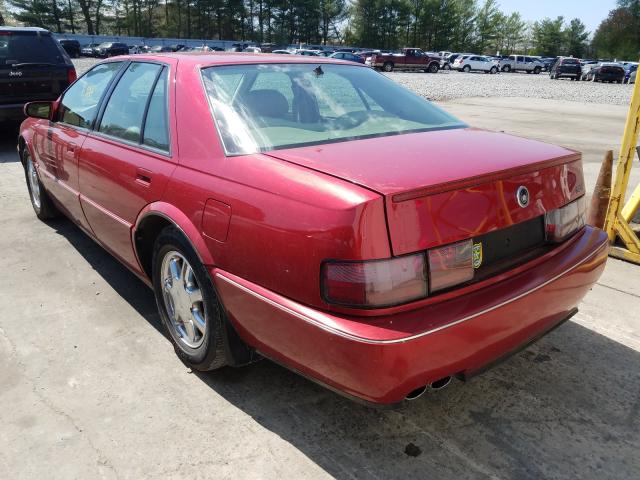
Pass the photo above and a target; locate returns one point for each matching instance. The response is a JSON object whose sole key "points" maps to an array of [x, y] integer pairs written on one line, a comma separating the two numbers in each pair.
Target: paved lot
{"points": [[90, 387]]}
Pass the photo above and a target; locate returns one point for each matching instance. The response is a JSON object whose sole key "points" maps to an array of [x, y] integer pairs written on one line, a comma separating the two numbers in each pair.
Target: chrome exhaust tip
{"points": [[440, 384], [415, 394], [437, 385]]}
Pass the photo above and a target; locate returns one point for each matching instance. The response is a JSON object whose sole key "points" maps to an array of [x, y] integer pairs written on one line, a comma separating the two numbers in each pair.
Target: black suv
{"points": [[566, 67], [111, 49], [72, 47], [33, 66]]}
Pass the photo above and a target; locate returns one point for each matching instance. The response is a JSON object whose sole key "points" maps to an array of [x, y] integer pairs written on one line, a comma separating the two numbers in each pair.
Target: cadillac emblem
{"points": [[477, 255], [522, 195]]}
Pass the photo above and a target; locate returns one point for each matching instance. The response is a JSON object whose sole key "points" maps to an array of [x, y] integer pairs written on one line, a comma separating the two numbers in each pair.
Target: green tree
{"points": [[488, 22], [576, 36], [618, 36], [514, 32], [548, 36]]}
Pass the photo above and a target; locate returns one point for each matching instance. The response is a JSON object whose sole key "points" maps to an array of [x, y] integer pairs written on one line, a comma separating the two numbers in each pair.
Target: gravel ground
{"points": [[451, 85]]}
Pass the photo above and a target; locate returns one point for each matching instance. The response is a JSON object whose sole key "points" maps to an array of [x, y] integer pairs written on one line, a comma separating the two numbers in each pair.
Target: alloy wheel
{"points": [[34, 184], [183, 300]]}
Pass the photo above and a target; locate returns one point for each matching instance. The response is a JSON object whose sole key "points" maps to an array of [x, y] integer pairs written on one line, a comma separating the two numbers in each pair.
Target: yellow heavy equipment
{"points": [[620, 215]]}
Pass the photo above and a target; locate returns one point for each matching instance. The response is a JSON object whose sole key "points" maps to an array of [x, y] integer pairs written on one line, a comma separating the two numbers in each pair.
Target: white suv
{"points": [[467, 63]]}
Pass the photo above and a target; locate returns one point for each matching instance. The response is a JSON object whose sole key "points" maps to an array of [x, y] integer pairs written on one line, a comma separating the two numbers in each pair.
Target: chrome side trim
{"points": [[412, 337], [106, 211]]}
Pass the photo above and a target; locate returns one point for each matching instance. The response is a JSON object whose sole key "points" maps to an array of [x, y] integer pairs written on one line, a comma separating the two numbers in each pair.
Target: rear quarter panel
{"points": [[284, 219]]}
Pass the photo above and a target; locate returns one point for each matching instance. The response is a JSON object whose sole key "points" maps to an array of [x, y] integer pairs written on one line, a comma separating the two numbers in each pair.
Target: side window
{"points": [[156, 131], [124, 113], [79, 105]]}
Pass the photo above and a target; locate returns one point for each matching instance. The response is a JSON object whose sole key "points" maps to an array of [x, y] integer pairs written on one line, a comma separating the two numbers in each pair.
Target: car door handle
{"points": [[143, 176]]}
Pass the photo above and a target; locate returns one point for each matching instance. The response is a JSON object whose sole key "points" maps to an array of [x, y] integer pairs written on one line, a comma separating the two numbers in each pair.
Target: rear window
{"points": [[270, 106], [28, 47], [570, 61]]}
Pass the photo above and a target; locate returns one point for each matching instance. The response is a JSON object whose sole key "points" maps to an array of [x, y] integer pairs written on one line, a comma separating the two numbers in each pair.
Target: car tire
{"points": [[466, 69], [506, 68], [537, 70], [387, 67], [198, 339], [433, 68], [493, 70], [446, 67], [41, 202], [577, 78]]}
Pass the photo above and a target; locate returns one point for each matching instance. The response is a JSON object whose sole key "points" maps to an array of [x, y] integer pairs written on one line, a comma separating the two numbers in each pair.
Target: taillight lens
{"points": [[71, 75], [376, 283], [564, 222], [451, 265]]}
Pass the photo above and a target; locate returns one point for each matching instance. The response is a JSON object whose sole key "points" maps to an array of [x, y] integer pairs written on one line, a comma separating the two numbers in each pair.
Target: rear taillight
{"points": [[451, 265], [564, 222], [375, 283], [71, 75]]}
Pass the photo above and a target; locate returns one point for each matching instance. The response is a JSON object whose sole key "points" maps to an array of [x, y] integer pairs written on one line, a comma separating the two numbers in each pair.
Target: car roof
{"points": [[24, 29], [233, 58]]}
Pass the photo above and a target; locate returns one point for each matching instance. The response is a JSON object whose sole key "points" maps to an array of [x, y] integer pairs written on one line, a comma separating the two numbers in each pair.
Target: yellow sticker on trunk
{"points": [[477, 255]]}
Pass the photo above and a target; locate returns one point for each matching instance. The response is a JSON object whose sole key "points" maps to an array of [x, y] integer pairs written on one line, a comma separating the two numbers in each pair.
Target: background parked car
{"points": [[632, 77], [351, 57], [468, 63], [606, 72], [161, 49], [90, 50], [33, 66], [72, 47], [252, 50], [586, 67], [111, 49], [547, 63], [629, 70], [308, 53], [521, 63], [566, 67], [283, 52]]}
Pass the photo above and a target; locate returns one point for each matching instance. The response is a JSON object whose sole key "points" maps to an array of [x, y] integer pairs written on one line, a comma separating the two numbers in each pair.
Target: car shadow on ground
{"points": [[567, 407]]}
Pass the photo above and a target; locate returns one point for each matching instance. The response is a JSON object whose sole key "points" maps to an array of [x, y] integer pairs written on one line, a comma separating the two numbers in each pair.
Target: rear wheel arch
{"points": [[155, 218], [151, 223]]}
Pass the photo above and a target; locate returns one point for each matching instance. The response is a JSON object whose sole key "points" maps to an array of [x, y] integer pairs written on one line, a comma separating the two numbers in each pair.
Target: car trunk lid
{"points": [[444, 186]]}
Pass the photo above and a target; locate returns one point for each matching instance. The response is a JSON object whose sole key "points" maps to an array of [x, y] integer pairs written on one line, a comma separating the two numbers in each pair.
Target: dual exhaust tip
{"points": [[437, 385]]}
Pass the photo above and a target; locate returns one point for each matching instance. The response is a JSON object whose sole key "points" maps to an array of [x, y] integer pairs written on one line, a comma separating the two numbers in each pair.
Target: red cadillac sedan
{"points": [[316, 213]]}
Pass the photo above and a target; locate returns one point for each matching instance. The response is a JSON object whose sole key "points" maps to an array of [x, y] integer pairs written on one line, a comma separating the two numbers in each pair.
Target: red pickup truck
{"points": [[409, 59]]}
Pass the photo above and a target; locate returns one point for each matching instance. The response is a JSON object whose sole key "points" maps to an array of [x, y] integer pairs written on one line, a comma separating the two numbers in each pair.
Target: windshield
{"points": [[270, 106], [28, 47]]}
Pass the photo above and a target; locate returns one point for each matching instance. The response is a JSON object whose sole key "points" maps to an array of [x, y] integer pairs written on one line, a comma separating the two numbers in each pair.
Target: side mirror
{"points": [[38, 110]]}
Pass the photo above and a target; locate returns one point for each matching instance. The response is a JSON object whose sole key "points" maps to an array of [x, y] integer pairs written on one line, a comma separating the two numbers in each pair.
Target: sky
{"points": [[591, 12]]}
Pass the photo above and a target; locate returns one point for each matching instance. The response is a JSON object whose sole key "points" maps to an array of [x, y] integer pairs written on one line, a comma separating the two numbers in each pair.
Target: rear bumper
{"points": [[568, 73], [382, 359]]}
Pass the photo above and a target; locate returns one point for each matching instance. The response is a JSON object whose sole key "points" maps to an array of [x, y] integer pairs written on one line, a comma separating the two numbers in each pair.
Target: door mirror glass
{"points": [[38, 110]]}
